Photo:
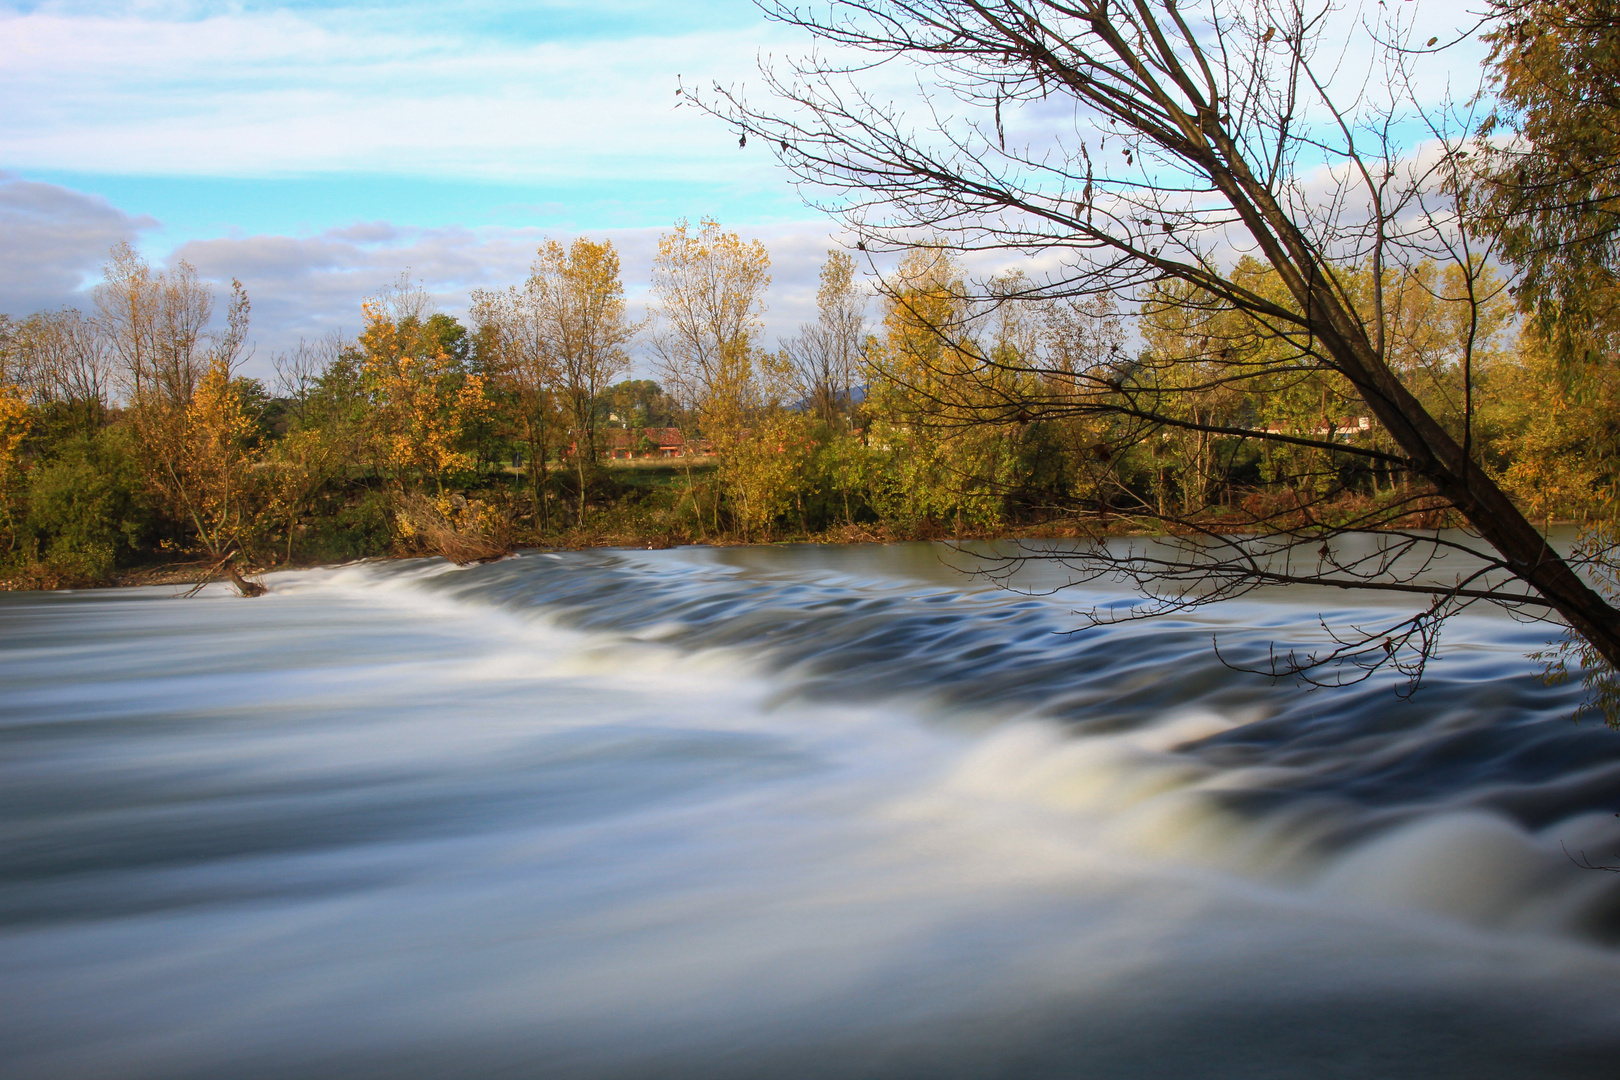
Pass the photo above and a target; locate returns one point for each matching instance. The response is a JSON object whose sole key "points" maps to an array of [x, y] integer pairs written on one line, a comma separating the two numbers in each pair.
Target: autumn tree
{"points": [[14, 424], [1551, 171], [178, 377], [60, 359], [919, 378], [709, 290], [421, 396], [709, 293], [826, 355], [299, 370], [941, 364], [1550, 176], [1195, 127], [156, 325], [205, 462], [638, 403], [195, 434], [580, 300], [318, 442], [513, 338]]}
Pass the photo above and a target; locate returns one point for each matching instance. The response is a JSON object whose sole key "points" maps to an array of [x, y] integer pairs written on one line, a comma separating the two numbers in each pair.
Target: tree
{"points": [[299, 373], [563, 335], [1194, 128], [60, 358], [1551, 178], [206, 461], [422, 398], [156, 325], [514, 341], [709, 287], [1552, 187], [192, 427], [826, 354], [197, 439], [937, 379], [581, 304], [709, 292], [14, 424], [318, 439], [638, 403]]}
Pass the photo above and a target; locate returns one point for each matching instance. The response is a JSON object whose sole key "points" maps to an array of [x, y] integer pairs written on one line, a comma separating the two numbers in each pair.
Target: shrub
{"points": [[86, 508]]}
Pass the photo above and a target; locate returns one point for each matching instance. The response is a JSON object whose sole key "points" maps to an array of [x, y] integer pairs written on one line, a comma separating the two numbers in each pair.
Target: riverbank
{"points": [[608, 533], [190, 570]]}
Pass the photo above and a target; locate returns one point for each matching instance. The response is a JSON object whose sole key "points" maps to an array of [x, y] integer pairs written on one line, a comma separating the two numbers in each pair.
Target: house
{"points": [[653, 442]]}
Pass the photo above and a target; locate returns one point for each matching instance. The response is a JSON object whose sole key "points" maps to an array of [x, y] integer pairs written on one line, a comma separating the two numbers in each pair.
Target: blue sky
{"points": [[317, 149], [309, 116]]}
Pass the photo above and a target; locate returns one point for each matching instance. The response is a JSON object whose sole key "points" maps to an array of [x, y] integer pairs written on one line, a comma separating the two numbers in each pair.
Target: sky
{"points": [[316, 150]]}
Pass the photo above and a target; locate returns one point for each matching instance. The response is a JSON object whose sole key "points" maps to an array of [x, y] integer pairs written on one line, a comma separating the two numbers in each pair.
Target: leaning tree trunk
{"points": [[1433, 453]]}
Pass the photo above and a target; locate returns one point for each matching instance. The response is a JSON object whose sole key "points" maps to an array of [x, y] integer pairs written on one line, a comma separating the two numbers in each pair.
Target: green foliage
{"points": [[263, 410], [637, 403], [86, 507], [1553, 195], [343, 526]]}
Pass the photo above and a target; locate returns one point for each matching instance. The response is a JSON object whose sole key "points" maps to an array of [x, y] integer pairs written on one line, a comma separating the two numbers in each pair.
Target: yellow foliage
{"points": [[421, 402], [765, 466], [15, 420], [210, 472], [1553, 424], [709, 284], [933, 398], [198, 459]]}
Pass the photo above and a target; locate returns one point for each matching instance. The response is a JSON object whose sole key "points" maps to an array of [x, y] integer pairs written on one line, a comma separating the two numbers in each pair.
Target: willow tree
{"points": [[1131, 144]]}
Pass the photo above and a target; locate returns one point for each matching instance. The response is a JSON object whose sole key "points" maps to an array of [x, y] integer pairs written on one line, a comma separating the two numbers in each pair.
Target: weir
{"points": [[781, 812]]}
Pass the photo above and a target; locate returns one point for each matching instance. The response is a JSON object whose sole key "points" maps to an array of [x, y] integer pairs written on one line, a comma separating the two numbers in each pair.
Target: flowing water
{"points": [[780, 813]]}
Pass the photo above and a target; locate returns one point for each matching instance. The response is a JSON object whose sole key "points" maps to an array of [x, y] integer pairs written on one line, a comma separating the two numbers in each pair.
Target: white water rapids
{"points": [[779, 813]]}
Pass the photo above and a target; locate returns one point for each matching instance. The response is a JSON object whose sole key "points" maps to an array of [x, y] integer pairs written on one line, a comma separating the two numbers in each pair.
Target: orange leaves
{"points": [[423, 401], [14, 425]]}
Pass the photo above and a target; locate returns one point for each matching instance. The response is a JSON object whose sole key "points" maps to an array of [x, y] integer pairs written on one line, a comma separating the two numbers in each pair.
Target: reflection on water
{"points": [[778, 812]]}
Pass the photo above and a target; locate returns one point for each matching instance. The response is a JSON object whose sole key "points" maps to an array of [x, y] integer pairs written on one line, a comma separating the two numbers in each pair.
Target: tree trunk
{"points": [[1434, 454]]}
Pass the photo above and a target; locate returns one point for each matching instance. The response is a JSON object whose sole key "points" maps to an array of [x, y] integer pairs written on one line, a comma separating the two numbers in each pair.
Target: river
{"points": [[780, 812]]}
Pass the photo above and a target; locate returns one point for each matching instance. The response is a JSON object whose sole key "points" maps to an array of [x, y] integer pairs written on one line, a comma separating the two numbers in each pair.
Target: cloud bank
{"points": [[309, 285], [55, 241]]}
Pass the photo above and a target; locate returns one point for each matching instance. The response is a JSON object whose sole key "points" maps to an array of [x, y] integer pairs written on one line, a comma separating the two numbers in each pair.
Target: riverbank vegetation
{"points": [[129, 439]]}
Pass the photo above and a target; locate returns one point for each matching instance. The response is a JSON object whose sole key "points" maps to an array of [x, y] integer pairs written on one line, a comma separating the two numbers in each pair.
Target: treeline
{"points": [[129, 438]]}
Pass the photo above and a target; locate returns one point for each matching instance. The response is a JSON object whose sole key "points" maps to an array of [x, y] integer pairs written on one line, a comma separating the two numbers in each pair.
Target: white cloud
{"points": [[277, 92]]}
